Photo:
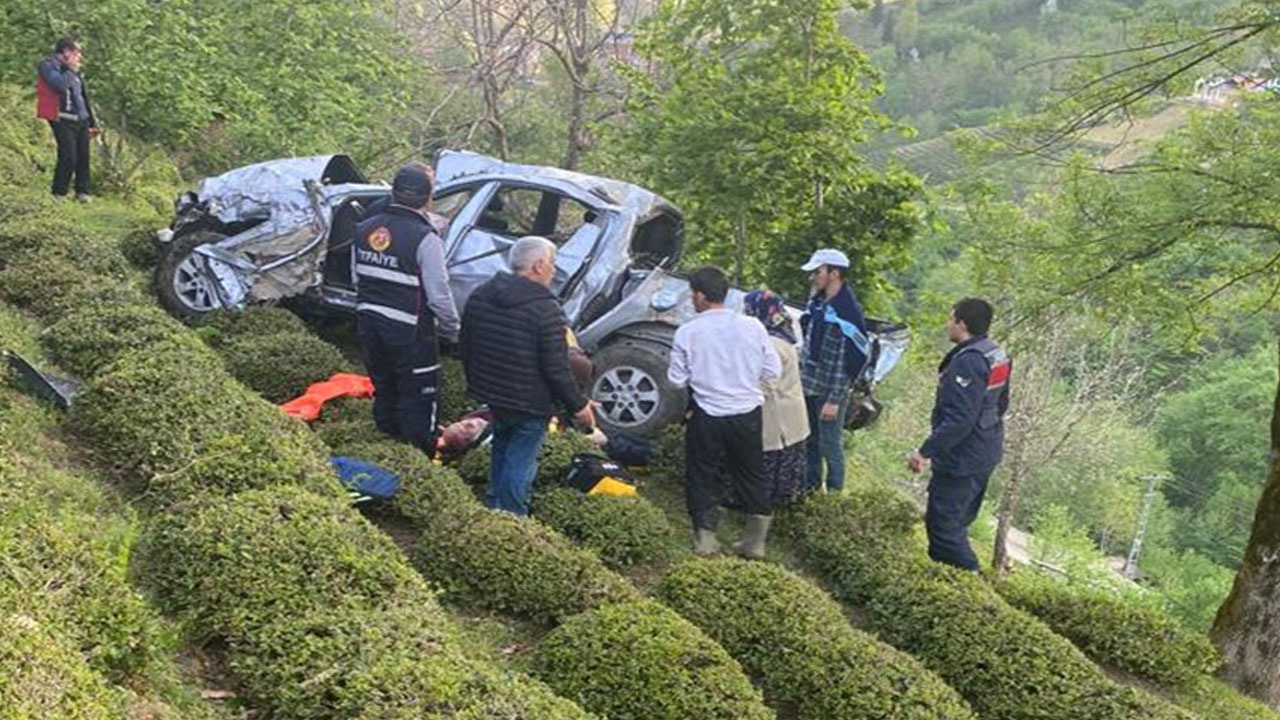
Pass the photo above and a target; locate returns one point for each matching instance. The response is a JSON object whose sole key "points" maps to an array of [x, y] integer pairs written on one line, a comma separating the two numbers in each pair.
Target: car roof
{"points": [[458, 166]]}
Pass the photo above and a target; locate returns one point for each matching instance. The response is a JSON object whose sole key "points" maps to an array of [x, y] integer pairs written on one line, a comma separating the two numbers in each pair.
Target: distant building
{"points": [[1221, 91]]}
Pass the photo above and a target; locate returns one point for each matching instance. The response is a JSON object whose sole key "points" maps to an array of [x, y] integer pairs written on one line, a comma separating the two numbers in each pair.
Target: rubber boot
{"points": [[705, 543], [753, 536]]}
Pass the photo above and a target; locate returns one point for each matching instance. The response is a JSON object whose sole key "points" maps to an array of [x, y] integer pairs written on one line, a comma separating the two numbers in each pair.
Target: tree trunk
{"points": [[1247, 628], [577, 128], [580, 62], [1008, 506]]}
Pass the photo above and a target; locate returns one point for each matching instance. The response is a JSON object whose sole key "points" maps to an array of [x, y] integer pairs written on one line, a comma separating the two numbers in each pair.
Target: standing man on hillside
{"points": [[835, 350], [61, 99], [403, 304], [724, 357], [516, 354], [968, 432]]}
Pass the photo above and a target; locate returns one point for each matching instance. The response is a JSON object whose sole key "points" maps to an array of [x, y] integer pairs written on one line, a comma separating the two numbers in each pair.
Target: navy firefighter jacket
{"points": [[968, 412]]}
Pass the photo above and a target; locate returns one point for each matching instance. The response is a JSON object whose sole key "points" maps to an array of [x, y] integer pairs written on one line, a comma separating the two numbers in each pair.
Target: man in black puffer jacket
{"points": [[517, 362]]}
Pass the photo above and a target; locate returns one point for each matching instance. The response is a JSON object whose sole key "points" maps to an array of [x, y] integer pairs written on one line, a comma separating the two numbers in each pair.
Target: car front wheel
{"points": [[632, 390], [183, 289]]}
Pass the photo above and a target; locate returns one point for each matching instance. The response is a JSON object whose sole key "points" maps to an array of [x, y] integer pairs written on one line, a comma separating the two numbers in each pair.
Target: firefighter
{"points": [[968, 432], [404, 307]]}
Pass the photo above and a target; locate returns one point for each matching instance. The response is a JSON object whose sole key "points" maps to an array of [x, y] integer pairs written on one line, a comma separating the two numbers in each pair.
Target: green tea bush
{"points": [[1143, 641], [403, 661], [641, 661], [74, 567], [624, 531], [1007, 664], [514, 565], [347, 409], [474, 466], [346, 421], [91, 337], [49, 263], [341, 433], [1214, 699], [503, 562], [171, 417], [507, 563], [280, 367], [244, 562], [50, 282], [28, 223], [254, 321], [793, 639], [140, 248], [42, 676], [668, 454]]}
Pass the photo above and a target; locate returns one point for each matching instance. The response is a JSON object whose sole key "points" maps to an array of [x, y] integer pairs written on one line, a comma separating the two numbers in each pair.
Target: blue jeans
{"points": [[954, 502], [514, 464], [826, 444]]}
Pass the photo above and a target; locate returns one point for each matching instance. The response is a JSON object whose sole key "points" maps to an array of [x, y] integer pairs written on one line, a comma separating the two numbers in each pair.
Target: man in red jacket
{"points": [[61, 99]]}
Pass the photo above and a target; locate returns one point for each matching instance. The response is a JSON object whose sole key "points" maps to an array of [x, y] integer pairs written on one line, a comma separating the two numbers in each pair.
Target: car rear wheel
{"points": [[183, 289], [632, 390]]}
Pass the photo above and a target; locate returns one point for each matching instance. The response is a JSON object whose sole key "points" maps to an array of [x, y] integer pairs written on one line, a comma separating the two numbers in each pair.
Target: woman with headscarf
{"points": [[785, 421]]}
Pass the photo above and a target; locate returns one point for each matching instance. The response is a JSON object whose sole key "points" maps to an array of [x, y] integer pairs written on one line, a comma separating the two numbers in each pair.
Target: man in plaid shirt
{"points": [[835, 350]]}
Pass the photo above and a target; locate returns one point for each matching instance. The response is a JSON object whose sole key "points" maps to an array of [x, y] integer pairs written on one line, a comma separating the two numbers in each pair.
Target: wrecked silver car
{"points": [[285, 228]]}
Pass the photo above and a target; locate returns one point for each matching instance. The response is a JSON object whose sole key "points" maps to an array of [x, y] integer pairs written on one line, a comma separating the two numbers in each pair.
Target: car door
{"points": [[509, 210]]}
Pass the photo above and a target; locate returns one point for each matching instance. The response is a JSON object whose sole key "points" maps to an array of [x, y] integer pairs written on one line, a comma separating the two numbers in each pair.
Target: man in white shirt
{"points": [[723, 357]]}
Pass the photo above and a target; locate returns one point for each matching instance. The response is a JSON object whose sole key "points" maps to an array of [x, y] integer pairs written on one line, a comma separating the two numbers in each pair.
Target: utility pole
{"points": [[1131, 563]]}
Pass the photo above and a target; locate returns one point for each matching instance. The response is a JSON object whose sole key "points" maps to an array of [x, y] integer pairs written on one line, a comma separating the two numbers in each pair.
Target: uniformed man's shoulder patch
{"points": [[380, 239], [963, 381]]}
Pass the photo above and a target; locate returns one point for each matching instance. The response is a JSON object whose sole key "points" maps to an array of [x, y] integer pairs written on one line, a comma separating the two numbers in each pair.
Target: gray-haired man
{"points": [[516, 356]]}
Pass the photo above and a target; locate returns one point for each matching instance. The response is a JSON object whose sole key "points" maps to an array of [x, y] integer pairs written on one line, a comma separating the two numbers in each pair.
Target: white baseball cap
{"points": [[826, 256]]}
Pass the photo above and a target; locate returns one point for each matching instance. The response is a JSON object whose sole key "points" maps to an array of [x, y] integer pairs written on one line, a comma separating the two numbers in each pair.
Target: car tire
{"points": [[630, 384], [182, 291]]}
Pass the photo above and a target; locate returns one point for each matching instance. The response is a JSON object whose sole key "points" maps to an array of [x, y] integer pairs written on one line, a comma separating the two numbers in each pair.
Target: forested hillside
{"points": [[959, 64]]}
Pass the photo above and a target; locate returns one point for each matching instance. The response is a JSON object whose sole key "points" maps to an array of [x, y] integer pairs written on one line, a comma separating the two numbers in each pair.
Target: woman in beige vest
{"points": [[785, 421]]}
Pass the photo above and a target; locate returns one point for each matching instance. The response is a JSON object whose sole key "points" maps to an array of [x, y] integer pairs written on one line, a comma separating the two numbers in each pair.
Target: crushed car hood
{"points": [[275, 189]]}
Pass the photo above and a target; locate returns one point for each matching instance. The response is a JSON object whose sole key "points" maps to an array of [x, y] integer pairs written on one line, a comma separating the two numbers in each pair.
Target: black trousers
{"points": [[954, 502], [73, 156], [404, 364], [714, 445]]}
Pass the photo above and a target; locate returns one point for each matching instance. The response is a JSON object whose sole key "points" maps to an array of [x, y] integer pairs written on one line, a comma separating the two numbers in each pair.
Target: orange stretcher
{"points": [[307, 407]]}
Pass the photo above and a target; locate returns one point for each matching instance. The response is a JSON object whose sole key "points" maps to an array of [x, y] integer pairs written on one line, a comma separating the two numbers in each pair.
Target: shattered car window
{"points": [[511, 212], [450, 205]]}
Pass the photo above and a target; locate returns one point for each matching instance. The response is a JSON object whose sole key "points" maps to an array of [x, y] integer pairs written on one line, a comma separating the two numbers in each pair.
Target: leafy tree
{"points": [[1215, 428], [1192, 584], [229, 81], [1220, 530], [752, 121]]}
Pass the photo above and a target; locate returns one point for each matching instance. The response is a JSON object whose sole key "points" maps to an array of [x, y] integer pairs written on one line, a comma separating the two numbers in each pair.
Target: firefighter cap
{"points": [[414, 180]]}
